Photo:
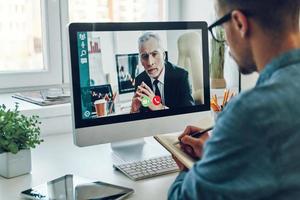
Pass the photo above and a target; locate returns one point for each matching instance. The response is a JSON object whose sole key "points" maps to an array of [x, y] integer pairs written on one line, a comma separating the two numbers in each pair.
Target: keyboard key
{"points": [[164, 170]]}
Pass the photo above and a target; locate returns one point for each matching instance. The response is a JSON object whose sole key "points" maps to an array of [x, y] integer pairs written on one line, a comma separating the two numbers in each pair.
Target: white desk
{"points": [[57, 156]]}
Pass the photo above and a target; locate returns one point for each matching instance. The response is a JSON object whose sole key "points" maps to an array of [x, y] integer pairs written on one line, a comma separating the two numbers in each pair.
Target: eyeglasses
{"points": [[216, 31]]}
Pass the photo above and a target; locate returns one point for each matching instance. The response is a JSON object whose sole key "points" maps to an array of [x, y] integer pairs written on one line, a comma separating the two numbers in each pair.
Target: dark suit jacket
{"points": [[177, 91]]}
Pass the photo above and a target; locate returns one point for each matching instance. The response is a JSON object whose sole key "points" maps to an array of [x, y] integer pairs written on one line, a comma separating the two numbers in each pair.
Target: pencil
{"points": [[224, 98], [215, 99], [227, 95], [232, 95], [214, 107], [197, 134]]}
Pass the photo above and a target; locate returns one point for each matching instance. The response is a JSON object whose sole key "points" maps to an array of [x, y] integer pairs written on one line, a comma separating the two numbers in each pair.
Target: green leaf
{"points": [[13, 147], [18, 131]]}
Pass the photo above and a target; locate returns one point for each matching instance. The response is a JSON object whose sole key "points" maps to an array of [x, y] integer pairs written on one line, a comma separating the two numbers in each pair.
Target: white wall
{"points": [[197, 10], [107, 56], [126, 41], [172, 38], [231, 73], [174, 11], [248, 81]]}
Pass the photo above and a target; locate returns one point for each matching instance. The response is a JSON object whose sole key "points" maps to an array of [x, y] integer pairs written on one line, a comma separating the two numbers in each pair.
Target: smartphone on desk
{"points": [[71, 187]]}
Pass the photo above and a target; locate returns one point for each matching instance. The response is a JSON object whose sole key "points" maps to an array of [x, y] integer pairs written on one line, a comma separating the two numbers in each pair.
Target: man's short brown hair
{"points": [[272, 15]]}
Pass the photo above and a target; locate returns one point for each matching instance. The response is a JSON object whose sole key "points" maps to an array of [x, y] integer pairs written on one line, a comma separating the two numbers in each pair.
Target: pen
{"points": [[197, 134]]}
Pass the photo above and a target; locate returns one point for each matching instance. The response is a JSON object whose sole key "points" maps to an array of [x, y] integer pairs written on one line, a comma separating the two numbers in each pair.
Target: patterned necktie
{"points": [[157, 92]]}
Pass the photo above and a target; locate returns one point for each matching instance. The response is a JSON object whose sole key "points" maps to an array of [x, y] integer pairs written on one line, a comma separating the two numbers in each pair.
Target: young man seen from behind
{"points": [[253, 151]]}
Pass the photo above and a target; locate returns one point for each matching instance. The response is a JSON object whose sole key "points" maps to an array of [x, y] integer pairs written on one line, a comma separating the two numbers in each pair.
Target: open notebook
{"points": [[167, 141]]}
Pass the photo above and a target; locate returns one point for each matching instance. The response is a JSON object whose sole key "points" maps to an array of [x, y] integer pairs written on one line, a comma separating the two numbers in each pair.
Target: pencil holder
{"points": [[215, 115]]}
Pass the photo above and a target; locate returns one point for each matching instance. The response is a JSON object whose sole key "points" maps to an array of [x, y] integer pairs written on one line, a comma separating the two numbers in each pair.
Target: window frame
{"points": [[52, 56], [54, 24]]}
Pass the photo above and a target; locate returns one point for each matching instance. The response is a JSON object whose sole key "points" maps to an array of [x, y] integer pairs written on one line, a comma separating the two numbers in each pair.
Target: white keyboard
{"points": [[148, 168]]}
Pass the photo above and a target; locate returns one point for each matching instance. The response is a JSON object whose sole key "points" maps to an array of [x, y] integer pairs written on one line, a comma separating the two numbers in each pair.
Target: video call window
{"points": [[118, 59]]}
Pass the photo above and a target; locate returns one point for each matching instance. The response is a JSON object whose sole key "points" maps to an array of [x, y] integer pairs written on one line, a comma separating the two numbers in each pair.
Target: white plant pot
{"points": [[12, 165]]}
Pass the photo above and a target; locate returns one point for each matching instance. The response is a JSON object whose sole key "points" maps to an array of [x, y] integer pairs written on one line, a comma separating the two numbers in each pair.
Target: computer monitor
{"points": [[94, 48]]}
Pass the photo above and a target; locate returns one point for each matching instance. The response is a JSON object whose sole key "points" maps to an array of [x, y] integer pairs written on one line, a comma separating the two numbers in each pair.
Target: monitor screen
{"points": [[161, 68]]}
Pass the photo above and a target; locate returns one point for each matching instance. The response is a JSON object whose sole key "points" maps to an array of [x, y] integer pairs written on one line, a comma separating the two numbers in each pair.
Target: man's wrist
{"points": [[133, 110]]}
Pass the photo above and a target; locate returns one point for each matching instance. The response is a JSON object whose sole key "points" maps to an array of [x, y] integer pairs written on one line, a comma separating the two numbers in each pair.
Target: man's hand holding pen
{"points": [[191, 145]]}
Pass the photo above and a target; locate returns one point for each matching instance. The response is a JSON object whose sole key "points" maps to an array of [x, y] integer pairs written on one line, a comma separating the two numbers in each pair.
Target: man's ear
{"points": [[240, 22]]}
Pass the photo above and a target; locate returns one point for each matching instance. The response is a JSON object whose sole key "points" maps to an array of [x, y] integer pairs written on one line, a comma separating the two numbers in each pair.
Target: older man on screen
{"points": [[162, 84]]}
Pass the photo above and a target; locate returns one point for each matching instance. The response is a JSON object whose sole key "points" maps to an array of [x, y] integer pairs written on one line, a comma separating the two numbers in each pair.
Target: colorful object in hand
{"points": [[146, 101], [156, 100]]}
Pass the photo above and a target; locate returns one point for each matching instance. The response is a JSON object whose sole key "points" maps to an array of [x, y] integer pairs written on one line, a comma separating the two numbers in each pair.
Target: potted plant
{"points": [[217, 61], [18, 133]]}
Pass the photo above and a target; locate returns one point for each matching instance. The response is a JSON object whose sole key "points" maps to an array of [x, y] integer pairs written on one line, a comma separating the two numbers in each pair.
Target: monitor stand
{"points": [[136, 150]]}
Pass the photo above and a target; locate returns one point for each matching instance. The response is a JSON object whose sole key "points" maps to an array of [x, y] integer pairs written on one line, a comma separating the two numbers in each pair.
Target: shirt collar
{"points": [[161, 77], [284, 60]]}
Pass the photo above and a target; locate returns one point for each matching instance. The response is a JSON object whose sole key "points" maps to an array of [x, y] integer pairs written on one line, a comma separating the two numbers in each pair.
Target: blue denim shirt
{"points": [[254, 151]]}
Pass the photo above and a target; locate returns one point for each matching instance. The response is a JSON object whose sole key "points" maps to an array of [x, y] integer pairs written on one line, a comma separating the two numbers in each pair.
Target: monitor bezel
{"points": [[74, 28]]}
